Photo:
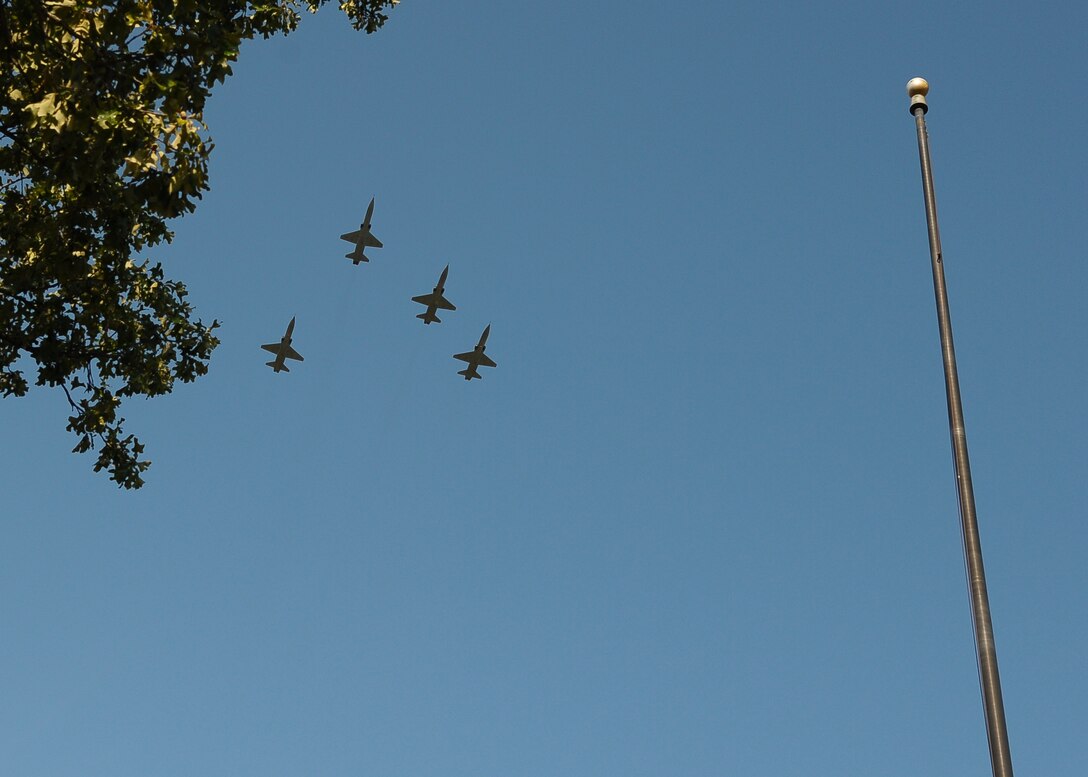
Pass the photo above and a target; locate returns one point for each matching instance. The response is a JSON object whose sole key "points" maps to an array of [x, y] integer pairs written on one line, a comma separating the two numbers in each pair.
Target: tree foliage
{"points": [[102, 142]]}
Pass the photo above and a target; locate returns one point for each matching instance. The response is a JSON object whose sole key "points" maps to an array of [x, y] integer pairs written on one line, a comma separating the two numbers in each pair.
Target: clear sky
{"points": [[701, 520]]}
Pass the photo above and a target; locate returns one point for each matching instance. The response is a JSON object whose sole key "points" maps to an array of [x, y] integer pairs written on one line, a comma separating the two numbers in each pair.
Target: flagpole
{"points": [[986, 649]]}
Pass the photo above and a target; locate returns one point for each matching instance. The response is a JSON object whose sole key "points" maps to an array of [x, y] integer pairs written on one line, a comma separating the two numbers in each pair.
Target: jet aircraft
{"points": [[283, 350], [435, 300], [362, 238], [476, 357]]}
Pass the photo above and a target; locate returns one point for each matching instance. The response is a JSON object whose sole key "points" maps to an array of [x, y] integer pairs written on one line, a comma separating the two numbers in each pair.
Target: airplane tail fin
{"points": [[469, 373], [282, 367], [428, 319], [356, 257]]}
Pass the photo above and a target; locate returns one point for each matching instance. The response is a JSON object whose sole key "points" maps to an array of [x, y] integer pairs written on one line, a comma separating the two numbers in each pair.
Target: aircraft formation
{"points": [[364, 238]]}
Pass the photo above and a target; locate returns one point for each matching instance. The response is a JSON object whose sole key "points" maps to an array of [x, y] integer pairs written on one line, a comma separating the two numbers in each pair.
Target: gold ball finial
{"points": [[917, 86], [917, 89]]}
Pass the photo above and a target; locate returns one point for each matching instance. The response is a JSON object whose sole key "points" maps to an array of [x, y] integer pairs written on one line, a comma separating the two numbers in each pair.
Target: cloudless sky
{"points": [[700, 520]]}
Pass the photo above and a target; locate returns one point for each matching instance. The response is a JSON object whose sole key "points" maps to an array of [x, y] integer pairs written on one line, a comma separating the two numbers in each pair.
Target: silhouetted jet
{"points": [[362, 238], [476, 357], [435, 300], [283, 350]]}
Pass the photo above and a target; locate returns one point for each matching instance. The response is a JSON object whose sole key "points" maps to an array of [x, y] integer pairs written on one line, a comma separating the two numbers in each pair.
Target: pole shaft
{"points": [[986, 649]]}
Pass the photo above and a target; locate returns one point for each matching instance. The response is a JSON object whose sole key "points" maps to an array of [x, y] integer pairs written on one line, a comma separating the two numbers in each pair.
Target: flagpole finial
{"points": [[917, 89]]}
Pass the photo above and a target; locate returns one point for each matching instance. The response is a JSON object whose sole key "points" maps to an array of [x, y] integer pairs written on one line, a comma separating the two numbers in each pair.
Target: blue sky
{"points": [[701, 519]]}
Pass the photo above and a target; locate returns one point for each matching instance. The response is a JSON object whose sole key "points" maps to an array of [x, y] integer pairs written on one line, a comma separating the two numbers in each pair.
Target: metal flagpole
{"points": [[986, 650]]}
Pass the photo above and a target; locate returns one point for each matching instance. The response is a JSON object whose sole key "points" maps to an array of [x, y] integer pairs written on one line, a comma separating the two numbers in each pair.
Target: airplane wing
{"points": [[444, 303], [485, 361], [465, 357], [273, 347], [291, 353], [352, 237], [424, 299], [372, 241]]}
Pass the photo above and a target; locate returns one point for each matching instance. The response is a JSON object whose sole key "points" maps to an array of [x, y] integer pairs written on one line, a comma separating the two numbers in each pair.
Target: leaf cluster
{"points": [[102, 143]]}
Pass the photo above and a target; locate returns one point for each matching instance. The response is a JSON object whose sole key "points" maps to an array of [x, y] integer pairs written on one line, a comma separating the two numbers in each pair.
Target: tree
{"points": [[102, 142]]}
